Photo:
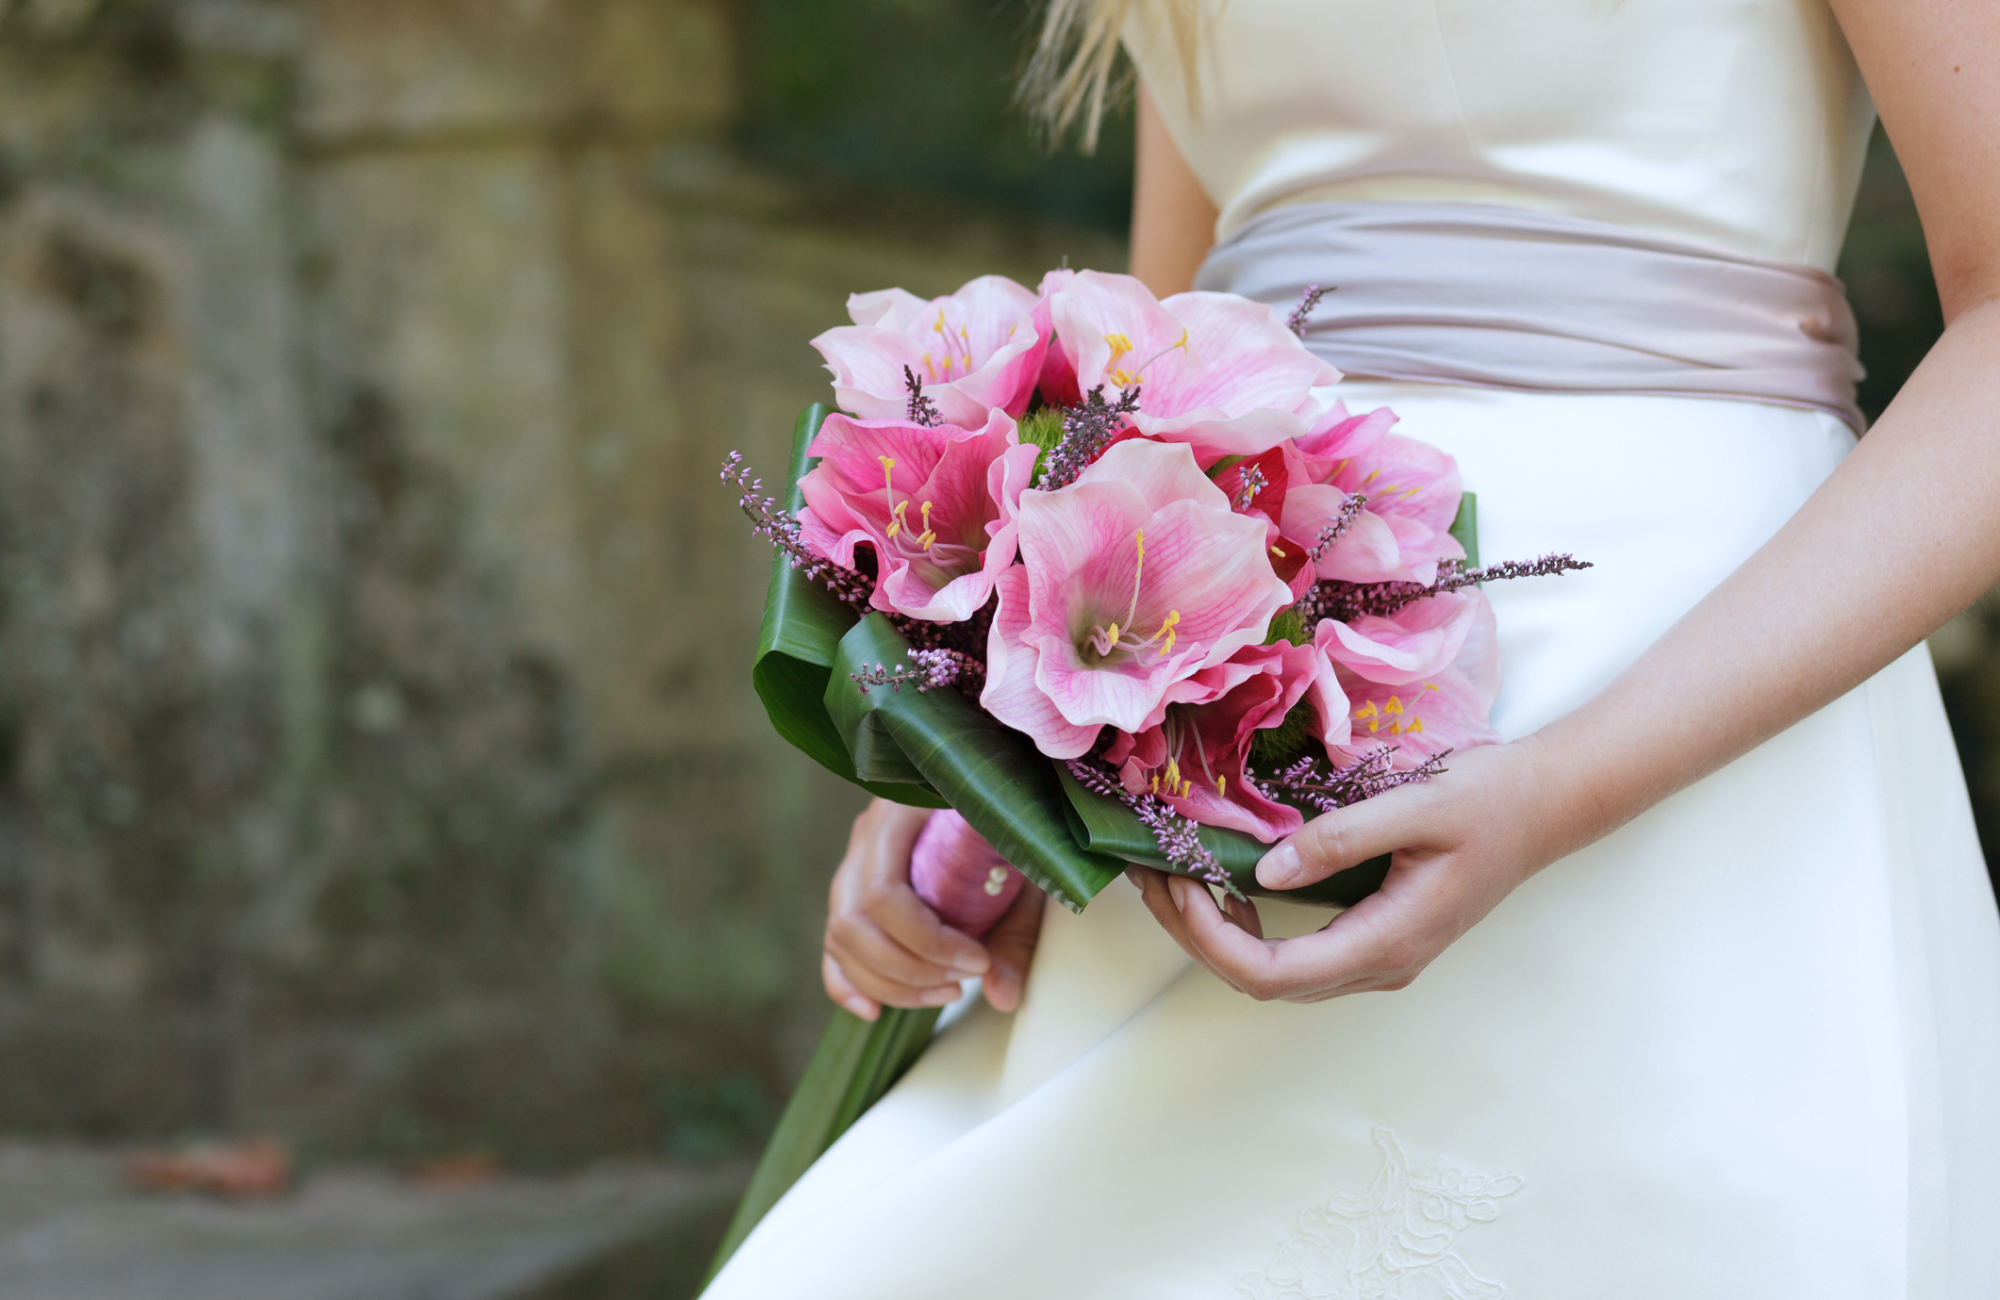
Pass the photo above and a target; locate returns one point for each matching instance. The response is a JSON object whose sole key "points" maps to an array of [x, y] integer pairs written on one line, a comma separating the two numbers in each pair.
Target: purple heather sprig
{"points": [[770, 522], [1350, 511], [1088, 428], [1178, 835], [1326, 787], [922, 410], [1348, 601], [928, 670], [1250, 482], [1296, 322]]}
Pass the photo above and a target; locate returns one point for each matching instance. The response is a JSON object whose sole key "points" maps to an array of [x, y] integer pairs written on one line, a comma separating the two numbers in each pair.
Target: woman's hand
{"points": [[1462, 842], [885, 946]]}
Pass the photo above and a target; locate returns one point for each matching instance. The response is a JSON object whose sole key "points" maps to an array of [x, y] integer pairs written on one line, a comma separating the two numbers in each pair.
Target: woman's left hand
{"points": [[1462, 842]]}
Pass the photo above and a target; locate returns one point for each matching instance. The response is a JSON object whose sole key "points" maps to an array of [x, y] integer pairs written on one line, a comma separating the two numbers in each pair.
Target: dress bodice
{"points": [[1736, 123]]}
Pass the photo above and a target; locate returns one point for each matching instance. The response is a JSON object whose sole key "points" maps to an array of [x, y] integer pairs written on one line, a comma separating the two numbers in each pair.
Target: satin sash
{"points": [[1500, 297]]}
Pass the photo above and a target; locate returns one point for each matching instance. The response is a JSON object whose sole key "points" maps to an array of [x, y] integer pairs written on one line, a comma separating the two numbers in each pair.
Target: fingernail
{"points": [[971, 965], [1279, 868], [863, 1009], [941, 997], [1178, 888], [1132, 874]]}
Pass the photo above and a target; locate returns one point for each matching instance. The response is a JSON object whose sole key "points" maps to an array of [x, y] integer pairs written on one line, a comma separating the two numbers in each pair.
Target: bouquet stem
{"points": [[856, 1062]]}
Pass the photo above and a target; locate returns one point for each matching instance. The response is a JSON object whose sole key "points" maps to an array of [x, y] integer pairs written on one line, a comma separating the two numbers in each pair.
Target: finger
{"points": [[1159, 900], [909, 923], [1361, 948], [856, 941], [872, 984], [1244, 913], [1011, 944], [1347, 837], [843, 993]]}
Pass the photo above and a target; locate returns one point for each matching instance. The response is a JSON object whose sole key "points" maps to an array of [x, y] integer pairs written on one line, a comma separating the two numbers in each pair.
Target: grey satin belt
{"points": [[1498, 297]]}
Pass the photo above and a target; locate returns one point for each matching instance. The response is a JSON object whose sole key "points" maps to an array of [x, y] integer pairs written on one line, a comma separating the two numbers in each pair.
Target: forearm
{"points": [[1902, 536]]}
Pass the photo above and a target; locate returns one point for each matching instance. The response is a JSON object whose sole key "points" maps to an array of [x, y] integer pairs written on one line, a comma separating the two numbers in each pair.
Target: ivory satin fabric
{"points": [[1748, 1045]]}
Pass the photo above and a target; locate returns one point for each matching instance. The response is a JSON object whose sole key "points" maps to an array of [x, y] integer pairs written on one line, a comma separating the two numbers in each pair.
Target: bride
{"points": [[1697, 977]]}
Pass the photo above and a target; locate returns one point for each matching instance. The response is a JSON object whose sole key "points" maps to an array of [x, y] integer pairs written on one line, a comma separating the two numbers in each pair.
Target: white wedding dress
{"points": [[1749, 1045]]}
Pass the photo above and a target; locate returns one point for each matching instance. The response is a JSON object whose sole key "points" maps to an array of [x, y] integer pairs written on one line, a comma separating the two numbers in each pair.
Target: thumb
{"points": [[1011, 945]]}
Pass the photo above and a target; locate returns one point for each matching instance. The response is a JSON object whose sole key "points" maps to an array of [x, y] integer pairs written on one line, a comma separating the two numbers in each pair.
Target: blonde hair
{"points": [[1070, 76]]}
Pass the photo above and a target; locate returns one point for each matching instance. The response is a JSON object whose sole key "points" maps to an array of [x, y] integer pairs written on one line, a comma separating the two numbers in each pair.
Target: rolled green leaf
{"points": [[803, 624], [1107, 826], [1465, 527], [992, 774], [856, 1062]]}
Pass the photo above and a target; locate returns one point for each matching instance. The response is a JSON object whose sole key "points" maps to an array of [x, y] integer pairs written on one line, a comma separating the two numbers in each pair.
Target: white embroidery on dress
{"points": [[1393, 1242]]}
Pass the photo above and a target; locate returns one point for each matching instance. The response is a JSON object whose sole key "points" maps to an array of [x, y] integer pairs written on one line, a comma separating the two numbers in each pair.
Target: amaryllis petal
{"points": [[1010, 693], [1136, 578], [932, 503], [1418, 641], [1195, 756], [1217, 371], [976, 350]]}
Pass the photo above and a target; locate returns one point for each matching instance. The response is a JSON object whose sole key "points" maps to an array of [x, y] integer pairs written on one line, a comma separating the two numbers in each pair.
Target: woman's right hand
{"points": [[884, 946]]}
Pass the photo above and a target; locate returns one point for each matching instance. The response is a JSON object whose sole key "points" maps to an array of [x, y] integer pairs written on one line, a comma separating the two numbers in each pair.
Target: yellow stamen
{"points": [[1120, 345], [928, 536], [1393, 706], [1113, 637], [930, 369], [1222, 786], [888, 464], [1167, 631], [1278, 551], [1430, 686], [1416, 725], [1124, 378], [1366, 711]]}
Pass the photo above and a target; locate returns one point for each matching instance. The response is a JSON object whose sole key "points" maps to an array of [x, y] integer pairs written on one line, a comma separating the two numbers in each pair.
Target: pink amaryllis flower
{"points": [[1420, 714], [1133, 579], [933, 503], [1214, 370], [1412, 492], [976, 350], [1194, 758]]}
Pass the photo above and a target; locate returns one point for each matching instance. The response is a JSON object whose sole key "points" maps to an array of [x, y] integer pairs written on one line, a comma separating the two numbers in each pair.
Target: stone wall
{"points": [[377, 764]]}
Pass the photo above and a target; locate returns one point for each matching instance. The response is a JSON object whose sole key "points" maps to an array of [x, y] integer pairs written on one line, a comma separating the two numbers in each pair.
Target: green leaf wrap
{"points": [[855, 1063], [1465, 527], [991, 774], [803, 624], [1108, 826]]}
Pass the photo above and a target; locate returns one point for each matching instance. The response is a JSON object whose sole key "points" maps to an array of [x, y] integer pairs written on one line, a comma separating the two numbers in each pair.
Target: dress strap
{"points": [[1499, 297]]}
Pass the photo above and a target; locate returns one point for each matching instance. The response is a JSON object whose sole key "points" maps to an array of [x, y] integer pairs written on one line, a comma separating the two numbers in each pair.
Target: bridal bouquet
{"points": [[1112, 579]]}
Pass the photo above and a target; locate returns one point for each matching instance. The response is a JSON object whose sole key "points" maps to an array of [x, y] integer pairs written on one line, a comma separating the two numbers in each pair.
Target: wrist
{"points": [[1570, 793]]}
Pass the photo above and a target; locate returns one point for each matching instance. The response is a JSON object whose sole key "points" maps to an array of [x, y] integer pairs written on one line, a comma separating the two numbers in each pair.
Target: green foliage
{"points": [[1286, 743], [1043, 429], [1288, 625]]}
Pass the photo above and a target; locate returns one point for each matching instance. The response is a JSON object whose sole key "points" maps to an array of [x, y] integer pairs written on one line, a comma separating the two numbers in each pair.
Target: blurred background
{"points": [[378, 766]]}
